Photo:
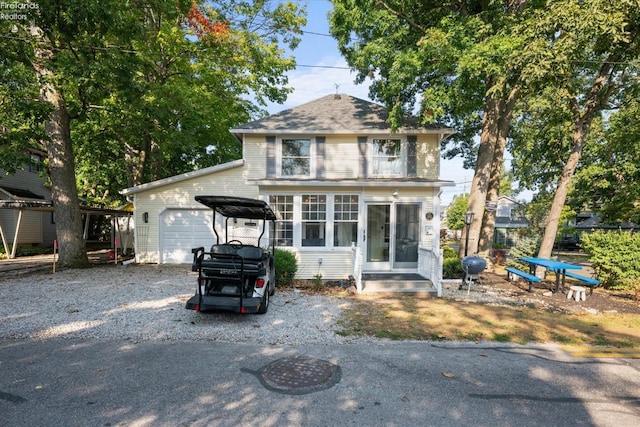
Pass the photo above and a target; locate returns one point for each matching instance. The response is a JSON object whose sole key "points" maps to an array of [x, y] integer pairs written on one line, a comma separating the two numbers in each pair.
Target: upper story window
{"points": [[387, 157], [296, 157], [35, 165]]}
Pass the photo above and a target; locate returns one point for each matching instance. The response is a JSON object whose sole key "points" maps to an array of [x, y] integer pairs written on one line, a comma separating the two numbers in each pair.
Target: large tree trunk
{"points": [[598, 97], [71, 243], [489, 217], [493, 192], [580, 133], [496, 122], [480, 182]]}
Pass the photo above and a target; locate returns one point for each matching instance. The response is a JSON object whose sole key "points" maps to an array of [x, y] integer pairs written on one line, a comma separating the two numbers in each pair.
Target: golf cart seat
{"points": [[230, 257], [248, 253], [251, 253], [223, 249]]}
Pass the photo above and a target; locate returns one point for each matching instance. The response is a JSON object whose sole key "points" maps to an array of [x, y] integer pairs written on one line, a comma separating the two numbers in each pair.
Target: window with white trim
{"points": [[387, 157], [314, 219], [295, 157], [283, 207], [345, 219]]}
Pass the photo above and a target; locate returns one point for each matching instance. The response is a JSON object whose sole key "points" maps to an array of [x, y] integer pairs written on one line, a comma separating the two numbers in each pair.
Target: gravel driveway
{"points": [[146, 302]]}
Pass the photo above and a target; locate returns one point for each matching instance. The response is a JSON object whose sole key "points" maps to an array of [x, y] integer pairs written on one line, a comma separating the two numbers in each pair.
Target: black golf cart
{"points": [[237, 275]]}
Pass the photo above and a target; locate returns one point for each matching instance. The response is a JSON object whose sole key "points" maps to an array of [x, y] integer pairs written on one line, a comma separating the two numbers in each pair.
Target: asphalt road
{"points": [[64, 382]]}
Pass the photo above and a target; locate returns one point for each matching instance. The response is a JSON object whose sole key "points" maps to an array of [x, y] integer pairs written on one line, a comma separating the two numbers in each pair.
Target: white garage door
{"points": [[182, 230]]}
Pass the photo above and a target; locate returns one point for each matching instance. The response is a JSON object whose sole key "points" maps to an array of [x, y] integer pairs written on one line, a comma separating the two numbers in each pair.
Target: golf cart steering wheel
{"points": [[235, 243]]}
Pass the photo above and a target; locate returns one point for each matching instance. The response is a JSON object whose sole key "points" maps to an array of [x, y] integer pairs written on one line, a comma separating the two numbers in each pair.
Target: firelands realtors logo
{"points": [[17, 11]]}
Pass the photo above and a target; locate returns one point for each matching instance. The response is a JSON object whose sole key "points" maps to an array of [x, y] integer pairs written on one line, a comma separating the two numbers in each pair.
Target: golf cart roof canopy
{"points": [[238, 207]]}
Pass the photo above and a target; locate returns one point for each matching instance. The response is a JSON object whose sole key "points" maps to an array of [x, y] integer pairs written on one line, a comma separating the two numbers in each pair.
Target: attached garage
{"points": [[169, 221], [181, 230]]}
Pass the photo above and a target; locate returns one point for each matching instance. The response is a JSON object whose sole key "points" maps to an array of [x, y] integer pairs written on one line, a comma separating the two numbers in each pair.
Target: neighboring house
{"points": [[348, 192], [585, 222], [26, 186], [510, 221], [27, 218]]}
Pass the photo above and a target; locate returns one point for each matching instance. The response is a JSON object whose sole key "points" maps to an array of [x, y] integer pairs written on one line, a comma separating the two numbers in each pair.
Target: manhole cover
{"points": [[299, 375]]}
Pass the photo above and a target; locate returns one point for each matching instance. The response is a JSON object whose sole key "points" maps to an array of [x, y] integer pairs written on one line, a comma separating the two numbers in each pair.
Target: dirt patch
{"points": [[602, 300], [495, 289]]}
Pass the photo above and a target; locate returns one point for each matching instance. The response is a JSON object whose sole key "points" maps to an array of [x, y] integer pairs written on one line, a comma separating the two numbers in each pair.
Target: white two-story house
{"points": [[352, 197]]}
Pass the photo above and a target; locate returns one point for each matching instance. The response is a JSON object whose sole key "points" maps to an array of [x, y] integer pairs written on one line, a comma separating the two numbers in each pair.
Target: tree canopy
{"points": [[135, 93], [607, 181], [593, 52]]}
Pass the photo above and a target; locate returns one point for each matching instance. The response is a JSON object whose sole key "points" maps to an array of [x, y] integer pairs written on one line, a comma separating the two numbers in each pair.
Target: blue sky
{"points": [[321, 68]]}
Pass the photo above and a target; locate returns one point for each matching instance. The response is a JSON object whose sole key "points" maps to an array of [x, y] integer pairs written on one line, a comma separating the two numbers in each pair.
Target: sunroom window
{"points": [[387, 157], [314, 219], [283, 208], [296, 157], [345, 216]]}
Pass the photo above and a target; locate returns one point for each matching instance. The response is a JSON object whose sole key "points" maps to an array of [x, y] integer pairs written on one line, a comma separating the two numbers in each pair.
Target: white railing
{"points": [[430, 266], [356, 263]]}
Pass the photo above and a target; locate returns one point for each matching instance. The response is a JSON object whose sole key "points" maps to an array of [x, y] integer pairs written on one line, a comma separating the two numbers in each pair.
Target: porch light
{"points": [[468, 219]]}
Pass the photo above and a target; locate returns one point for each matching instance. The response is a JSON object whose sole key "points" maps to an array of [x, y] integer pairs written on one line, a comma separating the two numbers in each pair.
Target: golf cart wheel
{"points": [[264, 304]]}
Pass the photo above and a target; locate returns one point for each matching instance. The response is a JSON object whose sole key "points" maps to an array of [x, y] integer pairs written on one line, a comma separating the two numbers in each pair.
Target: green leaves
{"points": [[147, 99], [456, 211], [615, 256], [608, 178]]}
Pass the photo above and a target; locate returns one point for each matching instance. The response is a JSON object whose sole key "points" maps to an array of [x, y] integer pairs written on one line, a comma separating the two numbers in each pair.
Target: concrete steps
{"points": [[397, 283]]}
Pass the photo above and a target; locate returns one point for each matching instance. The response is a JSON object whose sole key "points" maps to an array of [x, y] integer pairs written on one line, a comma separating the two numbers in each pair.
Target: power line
{"points": [[323, 66], [317, 34]]}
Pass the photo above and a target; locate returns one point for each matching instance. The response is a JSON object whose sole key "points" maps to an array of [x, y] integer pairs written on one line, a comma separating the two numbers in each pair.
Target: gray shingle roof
{"points": [[333, 114]]}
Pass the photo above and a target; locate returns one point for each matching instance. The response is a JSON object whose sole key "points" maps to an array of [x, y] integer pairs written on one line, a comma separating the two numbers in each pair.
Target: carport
{"points": [[118, 231]]}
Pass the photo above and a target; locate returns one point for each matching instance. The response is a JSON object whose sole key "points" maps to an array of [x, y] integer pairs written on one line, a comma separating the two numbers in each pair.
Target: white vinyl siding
{"points": [[341, 157], [428, 157], [341, 160]]}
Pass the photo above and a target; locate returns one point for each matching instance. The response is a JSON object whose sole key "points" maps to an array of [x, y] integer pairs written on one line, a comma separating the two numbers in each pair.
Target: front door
{"points": [[377, 237], [392, 236]]}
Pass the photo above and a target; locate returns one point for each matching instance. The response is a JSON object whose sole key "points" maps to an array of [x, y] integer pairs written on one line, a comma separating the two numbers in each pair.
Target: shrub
{"points": [[449, 252], [317, 281], [452, 268], [526, 247], [286, 266], [615, 256]]}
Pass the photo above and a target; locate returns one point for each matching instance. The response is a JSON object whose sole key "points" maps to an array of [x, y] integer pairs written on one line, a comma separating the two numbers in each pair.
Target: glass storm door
{"points": [[378, 237], [392, 236], [406, 232]]}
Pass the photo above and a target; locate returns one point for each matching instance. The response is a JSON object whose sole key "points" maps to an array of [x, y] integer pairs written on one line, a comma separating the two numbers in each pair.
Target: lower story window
{"points": [[314, 217], [316, 220], [283, 208], [345, 216]]}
